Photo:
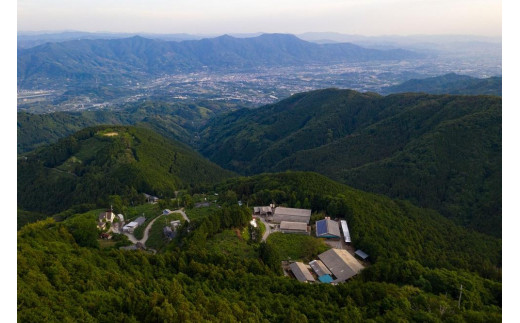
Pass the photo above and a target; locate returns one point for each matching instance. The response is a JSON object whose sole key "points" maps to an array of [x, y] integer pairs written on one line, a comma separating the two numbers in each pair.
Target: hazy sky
{"points": [[364, 17]]}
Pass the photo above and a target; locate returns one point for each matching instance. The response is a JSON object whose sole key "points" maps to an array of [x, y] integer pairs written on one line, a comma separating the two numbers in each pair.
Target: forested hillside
{"points": [[419, 260], [438, 151], [384, 228], [177, 121], [450, 84], [100, 161]]}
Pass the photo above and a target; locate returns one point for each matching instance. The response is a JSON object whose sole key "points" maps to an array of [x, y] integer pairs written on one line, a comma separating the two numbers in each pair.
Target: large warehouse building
{"points": [[291, 215], [294, 227], [341, 263]]}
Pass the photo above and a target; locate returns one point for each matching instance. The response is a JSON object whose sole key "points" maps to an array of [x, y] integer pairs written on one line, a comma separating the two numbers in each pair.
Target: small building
{"points": [[361, 254], [266, 210], [291, 215], [263, 210], [104, 217], [151, 198], [341, 263], [301, 272], [130, 227], [202, 204], [174, 224], [166, 212], [140, 220], [168, 232], [319, 268], [107, 216], [328, 229], [121, 218], [294, 227], [346, 232]]}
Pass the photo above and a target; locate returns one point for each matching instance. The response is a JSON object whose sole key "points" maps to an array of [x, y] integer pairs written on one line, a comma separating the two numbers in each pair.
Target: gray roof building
{"points": [[319, 268], [346, 232], [342, 264], [361, 254], [140, 220], [294, 227], [291, 215], [301, 272]]}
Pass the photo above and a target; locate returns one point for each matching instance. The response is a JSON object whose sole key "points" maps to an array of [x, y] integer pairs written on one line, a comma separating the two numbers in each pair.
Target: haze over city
{"points": [[367, 17]]}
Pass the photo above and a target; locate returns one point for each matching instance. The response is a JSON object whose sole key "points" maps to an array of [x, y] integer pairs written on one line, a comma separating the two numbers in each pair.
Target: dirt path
{"points": [[132, 238], [267, 229], [181, 211]]}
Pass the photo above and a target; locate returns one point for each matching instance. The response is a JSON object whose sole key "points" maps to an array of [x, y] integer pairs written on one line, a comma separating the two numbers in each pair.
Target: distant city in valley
{"points": [[249, 85]]}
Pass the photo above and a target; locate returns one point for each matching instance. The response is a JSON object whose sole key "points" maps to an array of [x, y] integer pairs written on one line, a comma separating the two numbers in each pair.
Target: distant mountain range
{"points": [[120, 60], [450, 84]]}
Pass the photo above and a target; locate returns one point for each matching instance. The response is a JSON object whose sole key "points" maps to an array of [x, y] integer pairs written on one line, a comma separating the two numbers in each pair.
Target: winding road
{"points": [[267, 229], [132, 238]]}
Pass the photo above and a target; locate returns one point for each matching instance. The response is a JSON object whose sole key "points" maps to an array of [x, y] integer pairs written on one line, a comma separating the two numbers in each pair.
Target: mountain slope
{"points": [[450, 84], [382, 227], [122, 60], [100, 161], [178, 121], [441, 152], [418, 260]]}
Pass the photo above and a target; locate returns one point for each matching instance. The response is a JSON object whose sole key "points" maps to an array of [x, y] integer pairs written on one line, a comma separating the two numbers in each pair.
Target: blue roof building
{"points": [[327, 228]]}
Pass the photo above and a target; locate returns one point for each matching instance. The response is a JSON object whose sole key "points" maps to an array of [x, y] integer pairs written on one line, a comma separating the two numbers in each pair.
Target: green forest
{"points": [[97, 162], [436, 151], [416, 176], [420, 259]]}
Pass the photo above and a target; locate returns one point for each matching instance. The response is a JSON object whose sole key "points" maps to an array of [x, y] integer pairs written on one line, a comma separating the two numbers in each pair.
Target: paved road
{"points": [[148, 227], [133, 239], [267, 229], [181, 211]]}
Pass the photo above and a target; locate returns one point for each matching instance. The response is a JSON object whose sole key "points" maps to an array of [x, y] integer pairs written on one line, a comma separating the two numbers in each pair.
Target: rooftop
{"points": [[346, 232], [327, 227], [319, 268], [292, 211], [301, 272], [341, 263], [296, 226]]}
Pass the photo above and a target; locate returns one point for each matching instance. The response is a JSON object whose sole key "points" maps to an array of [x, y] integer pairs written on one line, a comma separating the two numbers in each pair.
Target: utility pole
{"points": [[460, 295]]}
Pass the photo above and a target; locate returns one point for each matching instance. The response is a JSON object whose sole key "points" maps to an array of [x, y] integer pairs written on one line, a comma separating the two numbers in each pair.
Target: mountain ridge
{"points": [[438, 151], [136, 57]]}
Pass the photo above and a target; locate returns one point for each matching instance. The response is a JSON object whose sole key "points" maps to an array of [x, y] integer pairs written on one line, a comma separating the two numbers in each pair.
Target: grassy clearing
{"points": [[197, 213], [228, 242], [151, 211], [297, 246], [156, 239]]}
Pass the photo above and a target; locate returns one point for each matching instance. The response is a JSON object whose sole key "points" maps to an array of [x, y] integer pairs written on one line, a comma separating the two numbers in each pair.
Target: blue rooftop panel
{"points": [[325, 279], [321, 227]]}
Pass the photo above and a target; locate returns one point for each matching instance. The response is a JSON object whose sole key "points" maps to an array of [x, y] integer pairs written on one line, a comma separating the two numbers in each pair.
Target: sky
{"points": [[361, 17]]}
